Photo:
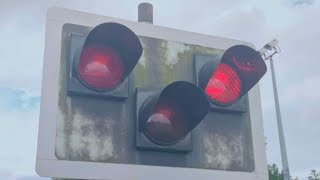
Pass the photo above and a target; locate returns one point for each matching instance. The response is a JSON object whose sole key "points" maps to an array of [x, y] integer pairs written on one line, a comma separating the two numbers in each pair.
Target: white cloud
{"points": [[19, 110], [307, 90], [5, 174], [18, 141]]}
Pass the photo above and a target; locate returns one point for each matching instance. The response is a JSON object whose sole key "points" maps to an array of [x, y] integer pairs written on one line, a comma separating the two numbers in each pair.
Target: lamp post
{"points": [[274, 48]]}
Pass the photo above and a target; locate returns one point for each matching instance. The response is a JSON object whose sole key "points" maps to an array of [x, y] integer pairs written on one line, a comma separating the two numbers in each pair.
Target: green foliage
{"points": [[274, 173]]}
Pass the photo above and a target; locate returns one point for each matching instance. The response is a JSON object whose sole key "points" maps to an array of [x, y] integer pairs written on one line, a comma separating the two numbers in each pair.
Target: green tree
{"points": [[314, 175], [274, 173]]}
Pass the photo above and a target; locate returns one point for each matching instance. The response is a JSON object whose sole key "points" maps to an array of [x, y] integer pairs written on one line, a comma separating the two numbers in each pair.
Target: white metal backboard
{"points": [[47, 163]]}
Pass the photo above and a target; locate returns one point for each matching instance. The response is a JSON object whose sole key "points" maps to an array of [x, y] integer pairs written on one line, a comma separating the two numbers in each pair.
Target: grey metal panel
{"points": [[225, 142], [93, 128]]}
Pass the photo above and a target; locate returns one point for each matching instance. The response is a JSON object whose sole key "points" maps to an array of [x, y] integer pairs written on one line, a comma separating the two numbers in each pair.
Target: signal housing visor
{"points": [[115, 49], [169, 115], [240, 68]]}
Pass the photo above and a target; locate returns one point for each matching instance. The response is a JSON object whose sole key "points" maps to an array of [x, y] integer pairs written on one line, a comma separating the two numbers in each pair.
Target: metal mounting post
{"points": [[145, 13]]}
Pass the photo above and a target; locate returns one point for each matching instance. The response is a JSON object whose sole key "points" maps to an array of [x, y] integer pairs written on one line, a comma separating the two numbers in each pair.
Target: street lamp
{"points": [[268, 51]]}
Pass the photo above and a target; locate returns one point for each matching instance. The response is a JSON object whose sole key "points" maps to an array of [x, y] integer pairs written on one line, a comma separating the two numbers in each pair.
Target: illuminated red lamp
{"points": [[241, 67], [168, 116], [100, 66], [224, 85], [167, 123], [107, 57]]}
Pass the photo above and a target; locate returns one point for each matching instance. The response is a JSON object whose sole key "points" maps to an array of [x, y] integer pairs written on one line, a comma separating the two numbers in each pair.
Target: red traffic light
{"points": [[224, 85], [109, 54], [166, 124], [168, 116], [100, 66], [241, 67]]}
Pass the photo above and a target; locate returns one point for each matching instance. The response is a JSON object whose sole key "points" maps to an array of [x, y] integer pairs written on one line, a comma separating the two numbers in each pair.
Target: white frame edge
{"points": [[48, 165]]}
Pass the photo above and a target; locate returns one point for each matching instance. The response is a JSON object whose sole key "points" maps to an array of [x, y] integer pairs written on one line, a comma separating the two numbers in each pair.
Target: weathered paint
{"points": [[163, 62], [103, 130], [223, 152]]}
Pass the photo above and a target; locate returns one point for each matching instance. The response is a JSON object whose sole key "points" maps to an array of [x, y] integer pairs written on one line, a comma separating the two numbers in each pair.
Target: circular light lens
{"points": [[224, 85], [166, 124], [100, 66]]}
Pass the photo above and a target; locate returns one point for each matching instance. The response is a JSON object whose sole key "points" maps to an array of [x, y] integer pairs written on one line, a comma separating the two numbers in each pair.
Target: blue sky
{"points": [[292, 22]]}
